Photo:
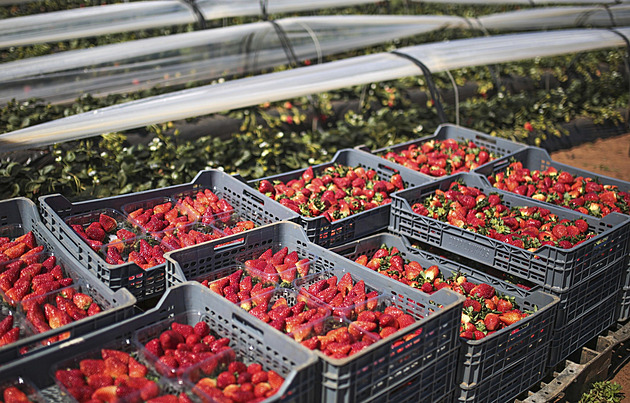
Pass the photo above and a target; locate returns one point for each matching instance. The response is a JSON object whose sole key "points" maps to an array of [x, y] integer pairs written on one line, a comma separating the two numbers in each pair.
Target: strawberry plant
{"points": [[583, 194], [521, 226], [484, 312], [334, 193]]}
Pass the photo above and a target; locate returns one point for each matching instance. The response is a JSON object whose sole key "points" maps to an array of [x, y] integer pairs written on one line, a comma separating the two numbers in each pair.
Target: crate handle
{"points": [[347, 250], [253, 197], [230, 244], [239, 320], [500, 166], [394, 170], [487, 139]]}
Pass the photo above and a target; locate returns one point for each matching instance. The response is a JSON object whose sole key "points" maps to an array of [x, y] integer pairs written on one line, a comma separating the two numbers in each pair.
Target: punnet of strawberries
{"points": [[30, 276], [485, 311], [527, 227], [287, 316], [21, 250], [194, 353], [335, 192], [339, 338], [346, 297], [583, 194], [260, 275], [441, 157], [114, 375], [54, 310]]}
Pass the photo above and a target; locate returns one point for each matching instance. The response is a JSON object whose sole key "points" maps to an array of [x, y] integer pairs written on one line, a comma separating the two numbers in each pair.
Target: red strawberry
{"points": [[91, 367], [136, 370], [154, 347], [14, 395], [504, 305], [510, 317], [201, 329], [119, 355], [115, 368], [107, 223], [93, 309], [491, 321], [95, 232], [82, 301], [70, 378], [10, 337], [183, 329], [483, 291], [28, 239]]}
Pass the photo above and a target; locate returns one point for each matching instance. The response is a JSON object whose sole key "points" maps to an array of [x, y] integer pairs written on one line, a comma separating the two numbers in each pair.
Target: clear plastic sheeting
{"points": [[209, 54], [557, 17], [302, 81], [200, 56], [102, 20], [523, 2]]}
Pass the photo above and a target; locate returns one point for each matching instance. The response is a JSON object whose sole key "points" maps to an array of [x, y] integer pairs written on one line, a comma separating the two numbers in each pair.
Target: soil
{"points": [[609, 157]]}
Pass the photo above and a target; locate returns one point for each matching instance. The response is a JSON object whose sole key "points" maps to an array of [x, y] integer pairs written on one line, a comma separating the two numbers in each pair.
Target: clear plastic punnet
{"points": [[138, 15], [441, 56]]}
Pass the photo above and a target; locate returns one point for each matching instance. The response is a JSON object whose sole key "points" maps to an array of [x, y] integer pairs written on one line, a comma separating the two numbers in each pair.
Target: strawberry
{"points": [[182, 329], [95, 231], [107, 223], [491, 321], [483, 291], [14, 395], [201, 329], [135, 369], [82, 301], [91, 367], [10, 337], [154, 347], [510, 317], [93, 309], [28, 239], [115, 367], [105, 394]]}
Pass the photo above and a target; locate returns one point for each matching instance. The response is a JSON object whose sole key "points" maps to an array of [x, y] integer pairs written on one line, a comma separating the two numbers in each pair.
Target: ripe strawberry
{"points": [[10, 337], [95, 231], [82, 301], [201, 329], [99, 380], [105, 394], [483, 291], [510, 317], [224, 379], [14, 395], [93, 309], [135, 369], [91, 367], [504, 305], [405, 320], [183, 329]]}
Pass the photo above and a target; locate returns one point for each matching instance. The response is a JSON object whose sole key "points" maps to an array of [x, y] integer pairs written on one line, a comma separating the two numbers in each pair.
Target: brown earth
{"points": [[609, 157]]}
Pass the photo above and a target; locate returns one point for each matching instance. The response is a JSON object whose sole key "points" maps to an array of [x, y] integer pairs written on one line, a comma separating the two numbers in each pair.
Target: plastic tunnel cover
{"points": [[201, 55], [312, 79]]}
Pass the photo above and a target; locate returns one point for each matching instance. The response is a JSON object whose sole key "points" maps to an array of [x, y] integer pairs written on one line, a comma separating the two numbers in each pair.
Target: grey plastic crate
{"points": [[535, 158], [145, 284], [116, 306], [323, 232], [295, 363], [624, 306], [569, 338], [554, 268], [370, 373], [524, 342], [496, 145]]}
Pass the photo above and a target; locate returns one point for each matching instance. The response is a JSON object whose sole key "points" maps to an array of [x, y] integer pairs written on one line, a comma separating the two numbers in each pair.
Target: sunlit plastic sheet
{"points": [[102, 20], [283, 85], [209, 54], [200, 56]]}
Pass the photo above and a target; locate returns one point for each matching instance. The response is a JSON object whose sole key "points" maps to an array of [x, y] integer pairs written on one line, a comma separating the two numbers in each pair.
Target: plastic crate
{"points": [[297, 364], [624, 306], [481, 360], [554, 268], [350, 379], [587, 310], [535, 158], [150, 283], [569, 338], [496, 145], [323, 232], [117, 305], [211, 260]]}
